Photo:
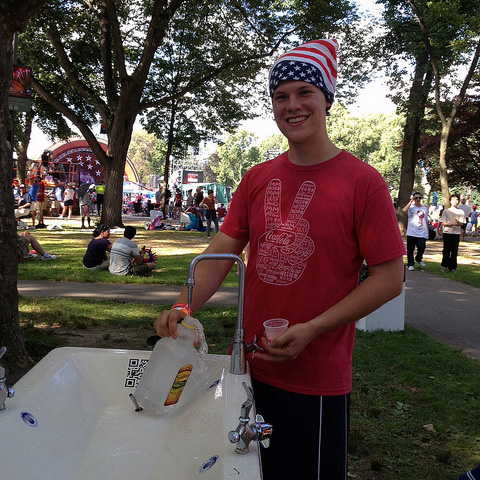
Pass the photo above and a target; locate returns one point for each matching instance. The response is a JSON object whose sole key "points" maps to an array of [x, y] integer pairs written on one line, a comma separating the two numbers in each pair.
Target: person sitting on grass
{"points": [[25, 205], [126, 259], [195, 220], [95, 257], [27, 240]]}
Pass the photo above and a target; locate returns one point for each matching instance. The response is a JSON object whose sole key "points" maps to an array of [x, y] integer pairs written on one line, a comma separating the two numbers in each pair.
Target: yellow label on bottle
{"points": [[178, 385]]}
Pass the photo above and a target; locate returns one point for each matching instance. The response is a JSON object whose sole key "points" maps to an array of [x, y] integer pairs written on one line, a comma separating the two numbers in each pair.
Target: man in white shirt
{"points": [[466, 210], [417, 229], [125, 258]]}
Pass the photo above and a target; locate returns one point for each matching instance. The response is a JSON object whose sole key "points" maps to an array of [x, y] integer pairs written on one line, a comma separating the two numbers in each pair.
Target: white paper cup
{"points": [[274, 327]]}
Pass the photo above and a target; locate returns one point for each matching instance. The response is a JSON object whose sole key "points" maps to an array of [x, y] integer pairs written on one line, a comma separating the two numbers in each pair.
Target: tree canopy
{"points": [[107, 62], [147, 153]]}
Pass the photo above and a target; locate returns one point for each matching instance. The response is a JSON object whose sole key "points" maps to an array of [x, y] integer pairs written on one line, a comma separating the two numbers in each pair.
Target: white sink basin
{"points": [[72, 419]]}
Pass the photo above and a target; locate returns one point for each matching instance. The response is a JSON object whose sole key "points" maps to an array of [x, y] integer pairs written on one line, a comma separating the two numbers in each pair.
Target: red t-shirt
{"points": [[41, 192], [310, 228], [209, 202]]}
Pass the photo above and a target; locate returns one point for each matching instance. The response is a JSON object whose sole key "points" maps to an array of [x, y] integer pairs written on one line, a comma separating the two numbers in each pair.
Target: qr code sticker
{"points": [[136, 367]]}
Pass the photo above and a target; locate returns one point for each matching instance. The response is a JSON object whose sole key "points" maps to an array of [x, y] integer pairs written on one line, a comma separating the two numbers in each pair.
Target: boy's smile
{"points": [[300, 110]]}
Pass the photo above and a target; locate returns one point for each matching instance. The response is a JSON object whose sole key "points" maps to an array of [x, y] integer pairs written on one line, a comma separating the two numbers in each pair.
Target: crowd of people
{"points": [[452, 224], [200, 210], [32, 201]]}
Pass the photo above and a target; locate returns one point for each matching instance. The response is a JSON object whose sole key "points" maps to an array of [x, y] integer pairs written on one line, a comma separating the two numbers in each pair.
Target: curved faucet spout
{"points": [[238, 362]]}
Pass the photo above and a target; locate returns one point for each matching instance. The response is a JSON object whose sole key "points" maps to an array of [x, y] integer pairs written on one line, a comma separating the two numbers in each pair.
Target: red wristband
{"points": [[183, 307]]}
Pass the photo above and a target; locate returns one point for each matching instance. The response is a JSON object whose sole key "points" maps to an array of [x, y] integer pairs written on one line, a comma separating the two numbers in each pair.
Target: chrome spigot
{"points": [[4, 391], [238, 361], [245, 433]]}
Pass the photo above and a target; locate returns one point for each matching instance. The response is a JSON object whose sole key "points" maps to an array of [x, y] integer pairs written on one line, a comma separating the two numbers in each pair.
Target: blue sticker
{"points": [[214, 384], [29, 419], [208, 464]]}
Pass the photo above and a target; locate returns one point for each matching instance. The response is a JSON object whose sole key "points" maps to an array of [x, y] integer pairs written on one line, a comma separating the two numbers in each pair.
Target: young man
{"points": [[24, 205], [40, 203], [126, 259], [305, 258], [451, 220], [210, 213], [417, 229]]}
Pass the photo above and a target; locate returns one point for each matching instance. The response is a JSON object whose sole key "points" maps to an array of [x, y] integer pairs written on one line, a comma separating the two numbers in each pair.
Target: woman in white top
{"points": [[68, 198]]}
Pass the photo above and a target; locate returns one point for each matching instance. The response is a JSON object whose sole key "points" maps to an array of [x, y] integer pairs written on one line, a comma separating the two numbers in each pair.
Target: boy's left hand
{"points": [[288, 345]]}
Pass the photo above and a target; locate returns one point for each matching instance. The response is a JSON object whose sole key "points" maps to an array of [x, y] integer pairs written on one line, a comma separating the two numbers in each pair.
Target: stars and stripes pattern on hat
{"points": [[312, 62]]}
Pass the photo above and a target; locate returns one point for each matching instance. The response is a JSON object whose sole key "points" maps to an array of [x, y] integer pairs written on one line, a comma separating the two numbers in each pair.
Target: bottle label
{"points": [[178, 385]]}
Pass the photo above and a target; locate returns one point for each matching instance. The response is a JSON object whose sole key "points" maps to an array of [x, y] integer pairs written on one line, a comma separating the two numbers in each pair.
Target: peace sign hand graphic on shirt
{"points": [[284, 248]]}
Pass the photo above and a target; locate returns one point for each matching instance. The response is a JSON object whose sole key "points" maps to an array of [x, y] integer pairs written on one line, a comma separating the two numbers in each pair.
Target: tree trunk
{"points": [[168, 155], [11, 18], [22, 147], [442, 163], [411, 136], [112, 201], [113, 164]]}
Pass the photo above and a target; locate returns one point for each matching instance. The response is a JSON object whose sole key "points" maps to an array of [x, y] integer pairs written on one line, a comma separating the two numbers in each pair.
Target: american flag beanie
{"points": [[313, 62]]}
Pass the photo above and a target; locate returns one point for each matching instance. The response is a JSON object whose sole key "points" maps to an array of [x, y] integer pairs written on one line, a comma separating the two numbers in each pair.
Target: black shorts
{"points": [[68, 203], [310, 433]]}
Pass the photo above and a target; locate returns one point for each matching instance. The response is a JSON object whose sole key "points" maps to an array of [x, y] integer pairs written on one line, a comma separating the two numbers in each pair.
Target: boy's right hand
{"points": [[166, 323]]}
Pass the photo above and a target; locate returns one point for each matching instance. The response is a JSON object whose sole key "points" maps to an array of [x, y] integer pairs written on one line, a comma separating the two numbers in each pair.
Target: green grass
{"points": [[415, 405], [467, 274], [54, 321], [174, 251], [415, 401]]}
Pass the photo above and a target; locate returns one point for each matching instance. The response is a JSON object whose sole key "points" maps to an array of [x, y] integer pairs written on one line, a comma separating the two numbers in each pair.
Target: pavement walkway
{"points": [[442, 308]]}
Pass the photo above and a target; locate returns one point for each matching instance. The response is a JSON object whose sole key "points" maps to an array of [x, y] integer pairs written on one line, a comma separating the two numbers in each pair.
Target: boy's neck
{"points": [[303, 154]]}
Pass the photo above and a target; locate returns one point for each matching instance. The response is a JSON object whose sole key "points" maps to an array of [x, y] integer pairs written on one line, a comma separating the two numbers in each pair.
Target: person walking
{"points": [[34, 186], [68, 197], [84, 193], [474, 220], [417, 230], [304, 263], [40, 202], [451, 223], [100, 190], [466, 210], [58, 191], [210, 213]]}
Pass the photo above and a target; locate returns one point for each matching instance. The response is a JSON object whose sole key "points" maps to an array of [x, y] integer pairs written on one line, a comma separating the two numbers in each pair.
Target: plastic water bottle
{"points": [[175, 371]]}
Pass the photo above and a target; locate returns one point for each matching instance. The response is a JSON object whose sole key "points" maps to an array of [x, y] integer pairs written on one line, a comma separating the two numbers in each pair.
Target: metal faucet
{"points": [[238, 361], [245, 433], [4, 391]]}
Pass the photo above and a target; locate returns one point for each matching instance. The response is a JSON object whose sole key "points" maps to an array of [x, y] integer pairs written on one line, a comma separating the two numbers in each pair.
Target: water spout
{"points": [[238, 361]]}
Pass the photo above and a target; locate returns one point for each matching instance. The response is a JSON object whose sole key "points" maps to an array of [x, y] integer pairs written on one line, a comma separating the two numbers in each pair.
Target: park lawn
{"points": [[415, 401], [467, 274], [174, 251]]}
